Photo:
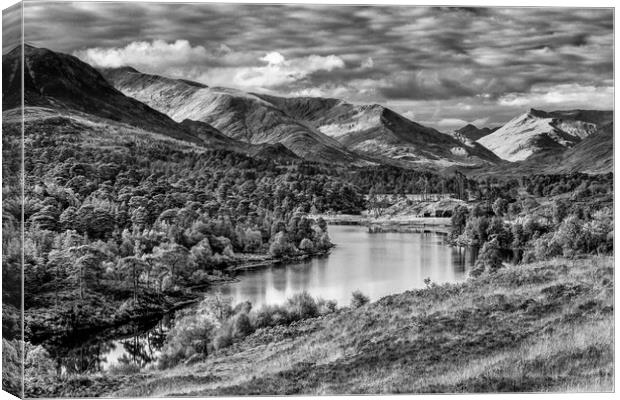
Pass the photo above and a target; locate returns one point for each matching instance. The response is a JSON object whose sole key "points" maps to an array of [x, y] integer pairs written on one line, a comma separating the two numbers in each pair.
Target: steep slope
{"points": [[63, 82], [538, 131], [239, 115], [379, 131], [208, 134], [471, 132], [311, 127], [276, 151], [594, 154]]}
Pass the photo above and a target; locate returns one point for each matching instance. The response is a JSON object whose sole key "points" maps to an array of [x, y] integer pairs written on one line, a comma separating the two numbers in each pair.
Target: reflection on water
{"points": [[378, 264], [137, 345]]}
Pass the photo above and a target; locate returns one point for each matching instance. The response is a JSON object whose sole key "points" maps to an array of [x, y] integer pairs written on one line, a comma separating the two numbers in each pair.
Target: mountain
{"points": [[64, 83], [321, 128], [473, 133], [275, 151], [60, 84], [593, 155], [239, 115], [543, 132], [379, 131]]}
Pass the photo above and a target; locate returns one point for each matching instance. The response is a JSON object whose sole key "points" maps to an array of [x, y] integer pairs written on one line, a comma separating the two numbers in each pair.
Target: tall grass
{"points": [[545, 326], [215, 325]]}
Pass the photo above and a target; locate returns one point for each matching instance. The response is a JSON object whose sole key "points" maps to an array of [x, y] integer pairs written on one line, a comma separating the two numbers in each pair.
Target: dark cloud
{"points": [[426, 88], [385, 54], [11, 27]]}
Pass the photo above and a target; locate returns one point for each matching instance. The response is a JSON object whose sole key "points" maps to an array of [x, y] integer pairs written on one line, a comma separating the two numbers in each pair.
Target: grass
{"points": [[546, 326]]}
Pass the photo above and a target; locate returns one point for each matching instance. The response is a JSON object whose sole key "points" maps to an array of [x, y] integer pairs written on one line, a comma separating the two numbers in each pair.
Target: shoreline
{"points": [[268, 262], [540, 317], [398, 223], [187, 296], [151, 312]]}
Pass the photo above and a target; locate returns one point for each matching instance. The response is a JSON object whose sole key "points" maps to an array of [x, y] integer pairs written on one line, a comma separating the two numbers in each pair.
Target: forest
{"points": [[153, 218], [550, 216], [124, 223]]}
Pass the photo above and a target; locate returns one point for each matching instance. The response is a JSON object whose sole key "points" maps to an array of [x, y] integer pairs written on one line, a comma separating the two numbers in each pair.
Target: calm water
{"points": [[378, 264]]}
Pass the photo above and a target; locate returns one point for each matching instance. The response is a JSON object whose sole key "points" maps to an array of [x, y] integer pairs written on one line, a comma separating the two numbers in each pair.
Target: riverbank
{"points": [[545, 326], [94, 313], [390, 223], [266, 261]]}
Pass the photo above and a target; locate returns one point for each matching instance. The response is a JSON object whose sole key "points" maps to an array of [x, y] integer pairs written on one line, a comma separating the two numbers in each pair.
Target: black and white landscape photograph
{"points": [[216, 199]]}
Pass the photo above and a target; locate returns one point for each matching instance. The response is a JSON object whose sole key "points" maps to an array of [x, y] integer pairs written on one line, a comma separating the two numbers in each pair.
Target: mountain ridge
{"points": [[347, 130], [538, 131], [64, 82], [239, 115]]}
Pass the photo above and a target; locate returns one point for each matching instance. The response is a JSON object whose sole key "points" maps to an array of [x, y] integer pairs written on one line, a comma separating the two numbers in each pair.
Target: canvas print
{"points": [[211, 199]]}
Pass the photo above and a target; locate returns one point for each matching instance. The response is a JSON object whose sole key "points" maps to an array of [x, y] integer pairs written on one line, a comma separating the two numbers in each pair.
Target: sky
{"points": [[442, 67]]}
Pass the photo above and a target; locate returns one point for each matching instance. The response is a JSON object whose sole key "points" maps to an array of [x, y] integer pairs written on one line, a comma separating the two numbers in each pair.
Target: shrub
{"points": [[12, 363], [38, 361], [546, 246], [298, 307], [323, 242], [241, 326], [306, 245], [193, 332], [269, 315], [358, 299], [489, 259], [199, 277], [326, 306], [302, 306], [244, 307], [281, 246], [222, 339]]}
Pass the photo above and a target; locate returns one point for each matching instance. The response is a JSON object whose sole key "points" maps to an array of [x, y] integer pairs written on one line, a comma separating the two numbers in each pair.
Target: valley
{"points": [[146, 197]]}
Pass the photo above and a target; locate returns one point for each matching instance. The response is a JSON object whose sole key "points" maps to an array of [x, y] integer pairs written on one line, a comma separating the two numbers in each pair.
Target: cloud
{"points": [[451, 123], [367, 63], [565, 95], [280, 71], [142, 53], [409, 115], [429, 85], [11, 27], [438, 62], [480, 122], [221, 66], [273, 58]]}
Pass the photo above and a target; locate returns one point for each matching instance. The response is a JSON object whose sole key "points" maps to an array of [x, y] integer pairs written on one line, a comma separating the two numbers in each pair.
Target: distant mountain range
{"points": [[544, 132], [241, 116], [313, 128], [63, 82], [318, 129]]}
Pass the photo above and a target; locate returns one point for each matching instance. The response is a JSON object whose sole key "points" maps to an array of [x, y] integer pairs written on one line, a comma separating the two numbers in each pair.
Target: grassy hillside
{"points": [[546, 326]]}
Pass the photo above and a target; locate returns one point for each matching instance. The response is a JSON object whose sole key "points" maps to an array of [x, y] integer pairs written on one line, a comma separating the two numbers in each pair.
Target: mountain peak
{"points": [[538, 113], [467, 128], [539, 131], [127, 69], [65, 83], [472, 132]]}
